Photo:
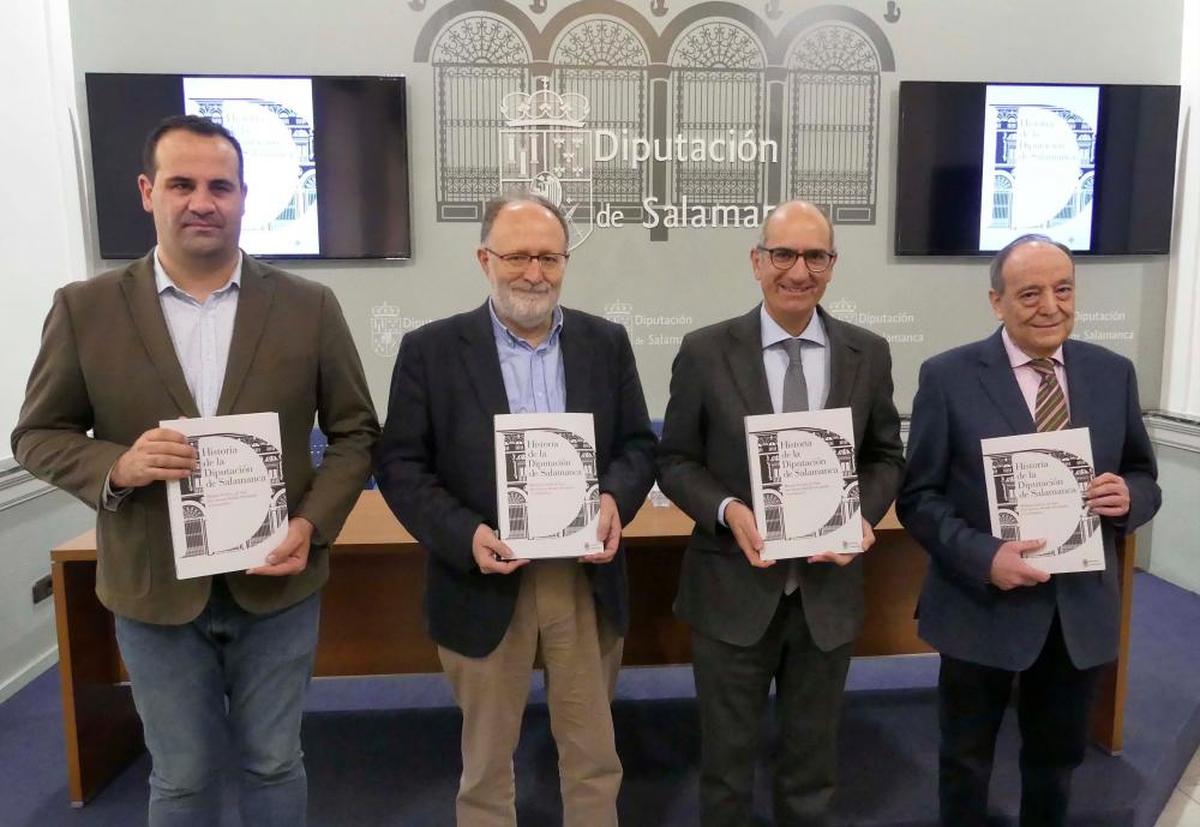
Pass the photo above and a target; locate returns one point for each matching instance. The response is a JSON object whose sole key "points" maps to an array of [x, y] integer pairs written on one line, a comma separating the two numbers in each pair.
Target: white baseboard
{"points": [[35, 667]]}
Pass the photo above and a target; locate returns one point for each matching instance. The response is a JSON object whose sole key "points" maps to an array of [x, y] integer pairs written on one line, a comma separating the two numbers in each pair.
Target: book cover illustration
{"points": [[804, 482], [1036, 485], [232, 511], [548, 487]]}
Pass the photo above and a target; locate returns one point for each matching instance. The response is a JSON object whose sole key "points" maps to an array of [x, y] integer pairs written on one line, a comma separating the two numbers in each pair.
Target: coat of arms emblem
{"points": [[545, 149]]}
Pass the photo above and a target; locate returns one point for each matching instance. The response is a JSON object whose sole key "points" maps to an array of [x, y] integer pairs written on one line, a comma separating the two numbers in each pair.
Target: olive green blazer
{"points": [[107, 366]]}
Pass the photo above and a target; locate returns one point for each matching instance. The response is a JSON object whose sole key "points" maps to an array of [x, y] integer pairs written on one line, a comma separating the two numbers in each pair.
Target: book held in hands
{"points": [[804, 483], [547, 485], [1035, 487], [232, 511]]}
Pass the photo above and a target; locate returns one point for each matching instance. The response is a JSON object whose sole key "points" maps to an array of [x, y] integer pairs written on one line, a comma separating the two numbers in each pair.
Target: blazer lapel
{"points": [[745, 360], [577, 365], [254, 301], [482, 362], [1081, 381], [996, 374], [141, 294], [844, 359]]}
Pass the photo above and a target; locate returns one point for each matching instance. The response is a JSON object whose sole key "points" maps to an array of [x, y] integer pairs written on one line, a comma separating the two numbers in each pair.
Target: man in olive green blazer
{"points": [[196, 328]]}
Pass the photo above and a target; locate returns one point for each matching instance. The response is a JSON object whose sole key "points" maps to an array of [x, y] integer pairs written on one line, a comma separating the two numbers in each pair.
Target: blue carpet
{"points": [[384, 751]]}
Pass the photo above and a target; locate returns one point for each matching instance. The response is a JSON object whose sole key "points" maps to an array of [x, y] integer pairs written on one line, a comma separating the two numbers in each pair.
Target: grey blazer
{"points": [[717, 379]]}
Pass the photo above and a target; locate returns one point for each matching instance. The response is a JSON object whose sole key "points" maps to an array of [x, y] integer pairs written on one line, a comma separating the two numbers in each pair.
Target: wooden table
{"points": [[371, 624]]}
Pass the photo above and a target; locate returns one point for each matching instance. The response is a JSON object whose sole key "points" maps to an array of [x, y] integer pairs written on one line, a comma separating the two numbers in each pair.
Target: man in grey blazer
{"points": [[196, 328], [753, 620], [991, 614]]}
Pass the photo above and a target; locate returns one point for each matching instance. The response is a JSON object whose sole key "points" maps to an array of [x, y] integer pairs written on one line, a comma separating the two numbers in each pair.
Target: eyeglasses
{"points": [[817, 261], [549, 262]]}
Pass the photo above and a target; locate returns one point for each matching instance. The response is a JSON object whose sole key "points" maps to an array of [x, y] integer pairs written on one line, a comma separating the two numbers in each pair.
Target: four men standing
{"points": [[203, 330]]}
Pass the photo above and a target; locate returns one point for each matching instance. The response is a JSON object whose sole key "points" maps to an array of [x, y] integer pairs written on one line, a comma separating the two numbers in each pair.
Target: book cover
{"points": [[804, 483], [232, 511], [547, 485], [1035, 488]]}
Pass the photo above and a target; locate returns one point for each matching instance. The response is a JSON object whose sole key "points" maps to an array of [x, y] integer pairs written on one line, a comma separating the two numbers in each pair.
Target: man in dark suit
{"points": [[490, 614], [989, 612], [196, 328], [755, 621]]}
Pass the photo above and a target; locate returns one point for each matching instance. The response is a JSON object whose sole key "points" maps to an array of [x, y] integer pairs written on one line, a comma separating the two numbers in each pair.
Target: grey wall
{"points": [[1169, 547], [27, 533], [698, 276]]}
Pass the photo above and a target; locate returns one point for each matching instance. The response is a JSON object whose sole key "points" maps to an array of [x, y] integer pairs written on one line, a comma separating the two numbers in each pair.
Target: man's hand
{"points": [[608, 531], [740, 520], [1108, 496], [1009, 569], [158, 454], [491, 554], [868, 540], [291, 556]]}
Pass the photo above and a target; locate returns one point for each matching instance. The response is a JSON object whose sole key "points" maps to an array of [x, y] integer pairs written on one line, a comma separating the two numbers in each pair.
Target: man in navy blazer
{"points": [[490, 614], [991, 614]]}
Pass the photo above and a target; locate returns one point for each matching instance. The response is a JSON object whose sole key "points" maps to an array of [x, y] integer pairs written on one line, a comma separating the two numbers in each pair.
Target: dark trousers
{"points": [[732, 689], [1053, 703]]}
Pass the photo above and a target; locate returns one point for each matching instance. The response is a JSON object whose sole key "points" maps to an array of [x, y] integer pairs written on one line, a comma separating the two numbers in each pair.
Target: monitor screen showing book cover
{"points": [[325, 157], [1089, 165]]}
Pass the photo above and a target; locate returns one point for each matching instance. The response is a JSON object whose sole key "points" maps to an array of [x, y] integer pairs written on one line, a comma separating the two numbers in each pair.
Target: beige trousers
{"points": [[555, 618]]}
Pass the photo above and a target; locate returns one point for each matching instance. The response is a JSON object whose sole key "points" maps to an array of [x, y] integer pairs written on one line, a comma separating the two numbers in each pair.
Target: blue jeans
{"points": [[227, 675]]}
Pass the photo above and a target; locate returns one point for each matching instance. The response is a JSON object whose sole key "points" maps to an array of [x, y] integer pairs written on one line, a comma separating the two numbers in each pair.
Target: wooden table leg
{"points": [[101, 728], [1108, 713]]}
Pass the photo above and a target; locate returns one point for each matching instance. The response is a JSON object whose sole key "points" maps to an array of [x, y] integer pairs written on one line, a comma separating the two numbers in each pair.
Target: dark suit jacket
{"points": [[436, 469], [107, 364], [718, 379], [968, 394]]}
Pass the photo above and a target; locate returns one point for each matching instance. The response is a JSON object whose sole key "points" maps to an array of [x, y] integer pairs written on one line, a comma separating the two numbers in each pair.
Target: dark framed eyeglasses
{"points": [[549, 262], [817, 261]]}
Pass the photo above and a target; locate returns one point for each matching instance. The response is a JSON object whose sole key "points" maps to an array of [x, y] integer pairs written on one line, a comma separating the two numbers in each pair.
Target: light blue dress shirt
{"points": [[201, 332], [534, 378]]}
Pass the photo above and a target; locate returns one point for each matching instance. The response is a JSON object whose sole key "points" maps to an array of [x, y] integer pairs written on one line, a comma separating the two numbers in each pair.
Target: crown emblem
{"points": [[842, 306], [618, 307], [385, 311], [544, 107]]}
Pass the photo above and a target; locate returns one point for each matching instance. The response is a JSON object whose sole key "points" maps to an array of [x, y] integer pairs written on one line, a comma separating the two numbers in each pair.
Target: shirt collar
{"points": [[163, 283], [1018, 357], [503, 334], [773, 333]]}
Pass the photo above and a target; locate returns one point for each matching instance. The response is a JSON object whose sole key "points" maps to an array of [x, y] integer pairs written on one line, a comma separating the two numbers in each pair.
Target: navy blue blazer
{"points": [[968, 394], [436, 470]]}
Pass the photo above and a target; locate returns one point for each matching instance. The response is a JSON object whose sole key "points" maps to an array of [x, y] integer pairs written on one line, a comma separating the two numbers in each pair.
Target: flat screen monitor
{"points": [[326, 159], [1089, 165]]}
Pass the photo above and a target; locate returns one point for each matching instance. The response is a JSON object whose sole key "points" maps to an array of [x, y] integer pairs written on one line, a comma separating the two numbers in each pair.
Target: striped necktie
{"points": [[1050, 407]]}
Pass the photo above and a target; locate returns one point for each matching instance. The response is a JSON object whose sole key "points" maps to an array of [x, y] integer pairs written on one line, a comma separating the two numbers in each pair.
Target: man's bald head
{"points": [[789, 208]]}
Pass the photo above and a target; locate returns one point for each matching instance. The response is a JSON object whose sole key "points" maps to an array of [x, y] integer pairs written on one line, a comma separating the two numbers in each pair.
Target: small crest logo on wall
{"points": [[620, 312], [843, 310], [546, 149], [386, 329]]}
